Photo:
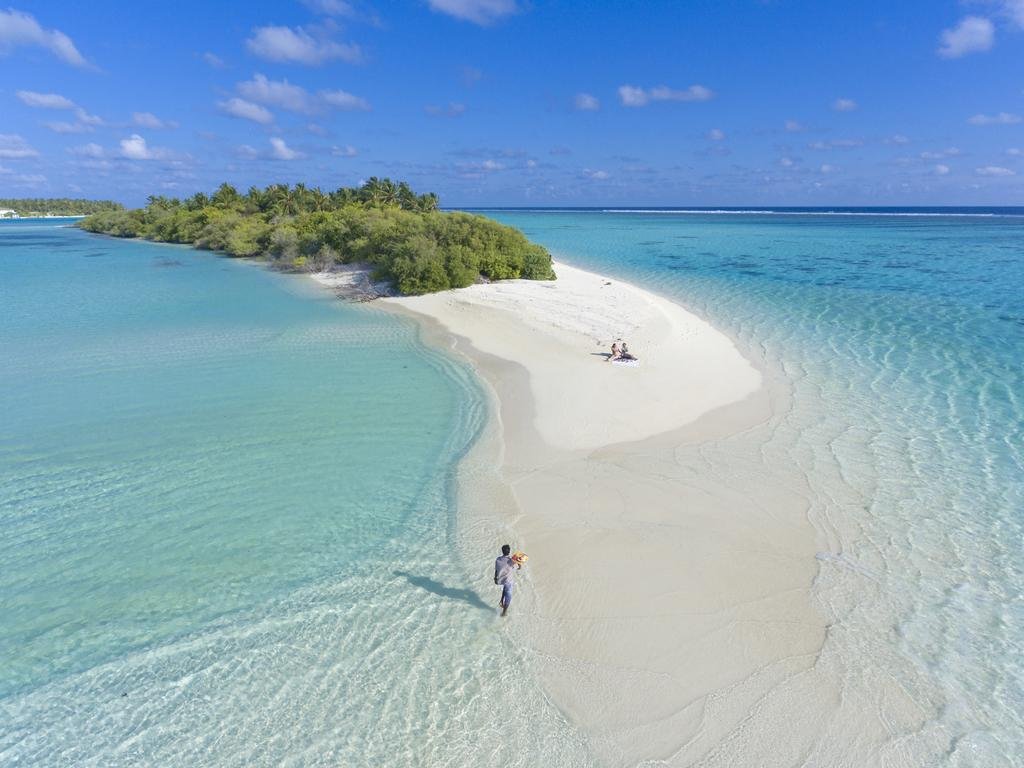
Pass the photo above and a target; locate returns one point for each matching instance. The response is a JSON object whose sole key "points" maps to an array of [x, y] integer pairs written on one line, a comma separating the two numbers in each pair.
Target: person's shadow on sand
{"points": [[465, 595]]}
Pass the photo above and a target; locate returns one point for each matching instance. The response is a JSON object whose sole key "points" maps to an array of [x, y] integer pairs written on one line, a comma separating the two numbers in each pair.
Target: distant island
{"points": [[401, 235], [27, 207]]}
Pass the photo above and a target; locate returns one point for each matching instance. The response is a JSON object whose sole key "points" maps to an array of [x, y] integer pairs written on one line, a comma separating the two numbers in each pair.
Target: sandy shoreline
{"points": [[667, 595], [667, 603]]}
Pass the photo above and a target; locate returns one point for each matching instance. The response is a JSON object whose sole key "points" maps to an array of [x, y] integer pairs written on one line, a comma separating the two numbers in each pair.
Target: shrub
{"points": [[410, 243]]}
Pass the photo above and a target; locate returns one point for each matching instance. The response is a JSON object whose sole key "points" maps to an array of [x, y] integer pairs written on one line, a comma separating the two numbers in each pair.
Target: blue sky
{"points": [[509, 102]]}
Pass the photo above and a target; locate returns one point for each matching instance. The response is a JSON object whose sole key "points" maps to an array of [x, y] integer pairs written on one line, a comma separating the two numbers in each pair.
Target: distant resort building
{"points": [[7, 213]]}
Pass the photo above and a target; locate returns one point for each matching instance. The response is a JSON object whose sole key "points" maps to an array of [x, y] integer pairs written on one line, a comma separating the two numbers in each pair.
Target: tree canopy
{"points": [[56, 206], [409, 242]]}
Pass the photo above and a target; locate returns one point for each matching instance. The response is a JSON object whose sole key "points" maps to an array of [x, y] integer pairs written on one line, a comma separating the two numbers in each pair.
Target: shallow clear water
{"points": [[227, 525], [226, 507], [902, 338]]}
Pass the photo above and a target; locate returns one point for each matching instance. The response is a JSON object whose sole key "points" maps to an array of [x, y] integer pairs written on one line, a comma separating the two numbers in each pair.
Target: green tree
{"points": [[402, 235]]}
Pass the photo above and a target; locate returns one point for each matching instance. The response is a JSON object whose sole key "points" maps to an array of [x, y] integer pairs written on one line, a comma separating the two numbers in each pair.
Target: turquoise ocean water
{"points": [[227, 527], [226, 504], [902, 337]]}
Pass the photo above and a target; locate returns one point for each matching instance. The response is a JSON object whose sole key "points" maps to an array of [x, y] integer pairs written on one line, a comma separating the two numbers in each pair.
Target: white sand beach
{"points": [[668, 594], [558, 331]]}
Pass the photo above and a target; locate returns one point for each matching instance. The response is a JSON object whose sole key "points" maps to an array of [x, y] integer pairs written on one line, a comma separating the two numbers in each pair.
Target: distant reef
{"points": [[53, 206], [403, 236]]}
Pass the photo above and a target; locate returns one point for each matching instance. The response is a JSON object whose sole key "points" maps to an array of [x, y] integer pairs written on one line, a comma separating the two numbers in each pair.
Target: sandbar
{"points": [[667, 605]]}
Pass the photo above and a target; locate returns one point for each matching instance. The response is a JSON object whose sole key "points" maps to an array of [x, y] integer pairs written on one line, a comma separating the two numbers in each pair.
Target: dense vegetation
{"points": [[410, 243], [57, 206]]}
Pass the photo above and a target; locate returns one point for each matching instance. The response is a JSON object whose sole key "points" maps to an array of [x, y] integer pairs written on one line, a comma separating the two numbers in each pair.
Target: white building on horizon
{"points": [[8, 213]]}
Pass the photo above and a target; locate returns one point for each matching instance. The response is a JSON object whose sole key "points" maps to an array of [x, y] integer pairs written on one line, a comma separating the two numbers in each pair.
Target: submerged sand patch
{"points": [[667, 599]]}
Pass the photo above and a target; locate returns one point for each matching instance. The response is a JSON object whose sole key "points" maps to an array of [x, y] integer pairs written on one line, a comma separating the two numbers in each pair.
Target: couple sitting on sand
{"points": [[620, 352]]}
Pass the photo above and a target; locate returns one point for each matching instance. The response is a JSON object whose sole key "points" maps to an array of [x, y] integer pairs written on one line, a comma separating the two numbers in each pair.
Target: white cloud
{"points": [[246, 110], [836, 144], [346, 101], [45, 100], [994, 170], [898, 138], [249, 153], [478, 169], [1014, 152], [56, 101], [947, 152], [693, 93], [347, 151], [584, 102], [213, 60], [792, 126], [452, 110], [135, 148], [330, 7], [96, 165], [15, 147], [91, 149], [972, 35], [596, 175], [1014, 11], [148, 120], [941, 170], [30, 179], [18, 28], [633, 96], [844, 105], [281, 151], [482, 12], [786, 162], [287, 44], [281, 93], [278, 93], [1003, 118], [826, 168], [716, 134], [85, 117], [61, 126]]}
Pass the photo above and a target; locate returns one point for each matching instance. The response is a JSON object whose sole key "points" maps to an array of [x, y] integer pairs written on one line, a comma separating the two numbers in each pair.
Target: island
{"points": [[52, 207], [403, 238]]}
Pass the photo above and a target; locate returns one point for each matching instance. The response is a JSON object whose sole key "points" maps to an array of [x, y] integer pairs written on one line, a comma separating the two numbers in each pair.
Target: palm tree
{"points": [[226, 196], [299, 198], [372, 191], [389, 192], [275, 198], [343, 196], [318, 200], [197, 202], [406, 197], [159, 201]]}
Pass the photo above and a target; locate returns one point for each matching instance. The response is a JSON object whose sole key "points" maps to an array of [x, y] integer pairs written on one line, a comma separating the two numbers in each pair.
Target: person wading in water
{"points": [[504, 569]]}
